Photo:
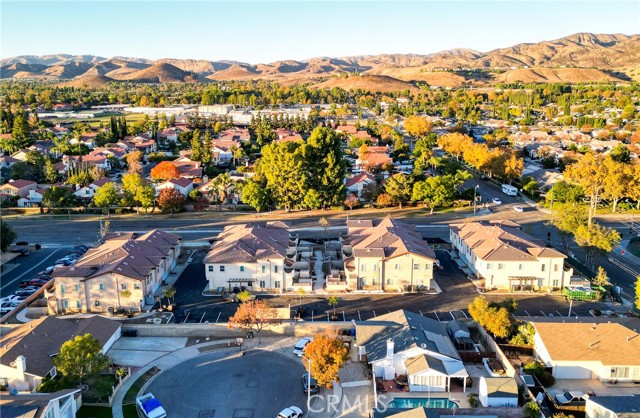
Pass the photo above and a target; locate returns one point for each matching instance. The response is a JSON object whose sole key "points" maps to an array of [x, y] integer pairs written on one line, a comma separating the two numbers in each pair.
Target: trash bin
{"points": [[249, 334]]}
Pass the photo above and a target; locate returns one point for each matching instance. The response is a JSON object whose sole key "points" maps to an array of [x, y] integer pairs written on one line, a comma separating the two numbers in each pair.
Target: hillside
{"points": [[381, 83], [87, 81], [582, 57]]}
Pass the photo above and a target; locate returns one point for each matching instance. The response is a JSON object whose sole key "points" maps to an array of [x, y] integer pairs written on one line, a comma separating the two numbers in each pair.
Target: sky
{"points": [[266, 31]]}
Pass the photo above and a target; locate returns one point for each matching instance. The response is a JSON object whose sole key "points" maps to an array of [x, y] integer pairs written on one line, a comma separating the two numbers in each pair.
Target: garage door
{"points": [[571, 372]]}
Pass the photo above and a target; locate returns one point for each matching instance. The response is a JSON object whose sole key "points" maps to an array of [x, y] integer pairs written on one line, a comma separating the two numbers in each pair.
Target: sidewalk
{"points": [[274, 344]]}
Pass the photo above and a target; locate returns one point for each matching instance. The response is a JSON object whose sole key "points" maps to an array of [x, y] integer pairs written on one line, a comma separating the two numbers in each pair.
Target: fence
{"points": [[114, 389], [474, 356]]}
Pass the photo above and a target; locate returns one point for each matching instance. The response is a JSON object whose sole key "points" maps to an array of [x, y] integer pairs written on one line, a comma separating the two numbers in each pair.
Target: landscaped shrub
{"points": [[473, 399], [544, 377]]}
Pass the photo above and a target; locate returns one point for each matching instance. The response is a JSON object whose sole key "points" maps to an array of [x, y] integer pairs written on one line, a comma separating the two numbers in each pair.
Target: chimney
{"points": [[21, 365], [390, 347]]}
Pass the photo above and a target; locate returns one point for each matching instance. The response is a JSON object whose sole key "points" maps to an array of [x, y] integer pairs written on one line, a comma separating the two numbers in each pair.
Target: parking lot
{"points": [[457, 293]]}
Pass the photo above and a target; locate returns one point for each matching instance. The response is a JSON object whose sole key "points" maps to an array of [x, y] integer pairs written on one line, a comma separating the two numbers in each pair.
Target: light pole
{"points": [[475, 200]]}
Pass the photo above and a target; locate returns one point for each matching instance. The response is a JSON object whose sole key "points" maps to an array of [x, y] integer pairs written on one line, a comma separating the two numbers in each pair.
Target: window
{"points": [[261, 283], [123, 286], [375, 267], [96, 303], [275, 269], [277, 283], [489, 265], [241, 268], [101, 286], [62, 288], [76, 288], [389, 281], [374, 281], [416, 266], [264, 269], [427, 266], [221, 268], [543, 267], [78, 304], [520, 267], [65, 304], [500, 266], [397, 267], [363, 267], [136, 286], [556, 282], [210, 269], [620, 372], [555, 267]]}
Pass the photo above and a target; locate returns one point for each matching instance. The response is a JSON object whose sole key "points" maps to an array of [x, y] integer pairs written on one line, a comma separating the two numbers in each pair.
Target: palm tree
{"points": [[169, 292], [221, 183]]}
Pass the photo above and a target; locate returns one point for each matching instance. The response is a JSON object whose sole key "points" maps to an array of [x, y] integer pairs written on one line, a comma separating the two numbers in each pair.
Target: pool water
{"points": [[407, 403]]}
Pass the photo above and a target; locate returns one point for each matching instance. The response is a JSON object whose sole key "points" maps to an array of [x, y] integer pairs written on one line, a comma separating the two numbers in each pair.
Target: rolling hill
{"points": [[582, 57]]}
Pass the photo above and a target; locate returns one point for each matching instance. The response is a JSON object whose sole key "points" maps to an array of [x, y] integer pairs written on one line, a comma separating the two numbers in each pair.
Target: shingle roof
{"points": [[248, 243], [38, 340], [407, 330], [389, 238], [362, 177], [502, 241], [423, 363], [623, 406], [123, 253], [501, 387], [610, 343]]}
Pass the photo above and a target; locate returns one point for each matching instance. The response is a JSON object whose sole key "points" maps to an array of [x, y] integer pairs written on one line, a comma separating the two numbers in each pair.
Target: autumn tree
{"points": [[590, 174], [80, 357], [493, 317], [601, 278], [417, 126], [325, 355], [134, 162], [616, 181], [106, 196], [130, 184], [254, 315], [384, 200], [595, 239], [146, 196], [171, 201], [455, 143], [637, 303], [7, 235], [352, 201], [164, 171], [567, 218]]}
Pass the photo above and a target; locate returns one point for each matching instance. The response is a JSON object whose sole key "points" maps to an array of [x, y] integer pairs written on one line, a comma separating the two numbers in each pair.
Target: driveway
{"points": [[256, 385], [139, 351]]}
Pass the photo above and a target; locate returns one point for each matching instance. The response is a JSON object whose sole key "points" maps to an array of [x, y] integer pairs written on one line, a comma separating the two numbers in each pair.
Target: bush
{"points": [[544, 377], [473, 399]]}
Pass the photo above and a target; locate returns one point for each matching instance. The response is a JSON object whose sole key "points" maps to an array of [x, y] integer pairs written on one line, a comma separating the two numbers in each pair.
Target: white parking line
{"points": [[30, 270], [543, 314]]}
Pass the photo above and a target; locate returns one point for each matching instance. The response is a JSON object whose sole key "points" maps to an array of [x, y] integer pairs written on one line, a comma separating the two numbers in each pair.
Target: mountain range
{"points": [[582, 57]]}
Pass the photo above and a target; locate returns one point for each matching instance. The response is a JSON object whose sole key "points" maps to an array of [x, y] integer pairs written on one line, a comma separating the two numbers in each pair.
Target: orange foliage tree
{"points": [[164, 171], [134, 159], [327, 355], [171, 201], [417, 126], [254, 315], [455, 143]]}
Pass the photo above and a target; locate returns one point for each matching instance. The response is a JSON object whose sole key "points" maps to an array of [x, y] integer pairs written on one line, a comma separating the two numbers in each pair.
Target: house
{"points": [[347, 129], [406, 343], [356, 183], [372, 158], [248, 255], [171, 133], [498, 392], [87, 192], [235, 134], [187, 168], [58, 131], [182, 185], [61, 404], [590, 350], [386, 255], [21, 154], [28, 349], [33, 199], [17, 188], [222, 150], [127, 261], [287, 135], [7, 161], [45, 147], [233, 193], [613, 406], [499, 253], [142, 143]]}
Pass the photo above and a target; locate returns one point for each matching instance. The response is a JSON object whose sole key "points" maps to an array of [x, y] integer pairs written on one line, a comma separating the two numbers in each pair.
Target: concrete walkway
{"points": [[318, 287], [174, 358]]}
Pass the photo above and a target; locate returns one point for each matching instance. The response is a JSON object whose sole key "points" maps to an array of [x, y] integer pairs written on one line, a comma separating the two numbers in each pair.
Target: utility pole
{"points": [[475, 200]]}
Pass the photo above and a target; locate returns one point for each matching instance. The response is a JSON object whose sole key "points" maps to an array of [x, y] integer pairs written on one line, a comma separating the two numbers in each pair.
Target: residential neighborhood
{"points": [[223, 213]]}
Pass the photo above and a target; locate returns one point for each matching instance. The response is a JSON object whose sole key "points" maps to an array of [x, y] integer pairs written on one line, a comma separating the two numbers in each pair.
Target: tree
{"points": [[370, 192], [146, 196], [169, 293], [399, 188], [133, 160], [455, 143], [171, 201], [81, 357], [595, 239], [282, 167], [106, 196], [621, 154], [125, 294], [57, 197], [567, 218], [164, 171], [254, 315], [50, 172], [333, 302], [531, 410], [244, 296], [417, 126], [495, 318], [601, 278], [352, 201], [589, 173], [130, 184], [325, 166], [525, 335], [325, 355], [7, 235], [384, 200], [255, 193], [637, 303]]}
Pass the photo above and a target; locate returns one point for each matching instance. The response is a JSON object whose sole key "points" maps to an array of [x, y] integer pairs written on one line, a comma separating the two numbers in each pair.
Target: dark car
{"points": [[24, 292], [306, 388], [20, 251], [36, 282]]}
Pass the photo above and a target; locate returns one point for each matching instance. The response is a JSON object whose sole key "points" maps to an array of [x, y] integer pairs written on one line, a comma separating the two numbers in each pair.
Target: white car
{"points": [[298, 350], [568, 397], [290, 412], [496, 201], [518, 208]]}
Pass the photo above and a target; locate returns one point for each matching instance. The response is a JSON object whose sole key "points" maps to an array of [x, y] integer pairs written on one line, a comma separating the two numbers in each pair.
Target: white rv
{"points": [[509, 190]]}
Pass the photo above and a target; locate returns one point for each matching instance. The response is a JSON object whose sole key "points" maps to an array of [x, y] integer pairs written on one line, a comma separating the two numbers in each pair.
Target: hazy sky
{"points": [[265, 31]]}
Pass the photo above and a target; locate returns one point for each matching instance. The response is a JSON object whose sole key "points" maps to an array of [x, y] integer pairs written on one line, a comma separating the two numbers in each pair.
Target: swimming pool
{"points": [[407, 403]]}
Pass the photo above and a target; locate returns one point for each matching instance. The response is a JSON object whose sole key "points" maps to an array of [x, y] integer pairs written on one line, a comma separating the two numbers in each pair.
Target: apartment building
{"points": [[507, 258]]}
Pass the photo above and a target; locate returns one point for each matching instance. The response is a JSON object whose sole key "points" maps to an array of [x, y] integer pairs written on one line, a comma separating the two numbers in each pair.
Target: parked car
{"points": [[306, 387], [6, 307], [27, 291], [20, 251], [518, 208], [290, 412], [49, 269], [35, 282], [496, 201], [568, 397], [298, 350]]}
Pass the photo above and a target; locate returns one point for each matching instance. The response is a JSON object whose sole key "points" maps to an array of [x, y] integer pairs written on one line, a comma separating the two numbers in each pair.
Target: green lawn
{"points": [[94, 412], [99, 388]]}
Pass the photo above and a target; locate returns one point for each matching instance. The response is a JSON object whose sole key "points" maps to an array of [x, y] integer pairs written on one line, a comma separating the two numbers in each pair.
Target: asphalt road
{"points": [[27, 268], [258, 384]]}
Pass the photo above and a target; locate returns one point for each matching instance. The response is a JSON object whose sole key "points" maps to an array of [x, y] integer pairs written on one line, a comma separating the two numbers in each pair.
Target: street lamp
{"points": [[475, 200]]}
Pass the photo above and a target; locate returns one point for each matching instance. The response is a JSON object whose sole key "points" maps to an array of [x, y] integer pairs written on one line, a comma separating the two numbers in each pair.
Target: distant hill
{"points": [[582, 57], [381, 83]]}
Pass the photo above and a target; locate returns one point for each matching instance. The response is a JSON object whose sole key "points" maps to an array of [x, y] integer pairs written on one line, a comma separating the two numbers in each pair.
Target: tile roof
{"points": [[390, 236], [187, 168], [248, 243], [407, 330], [502, 241], [363, 177], [19, 184], [39, 339], [182, 182], [128, 254], [610, 343]]}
